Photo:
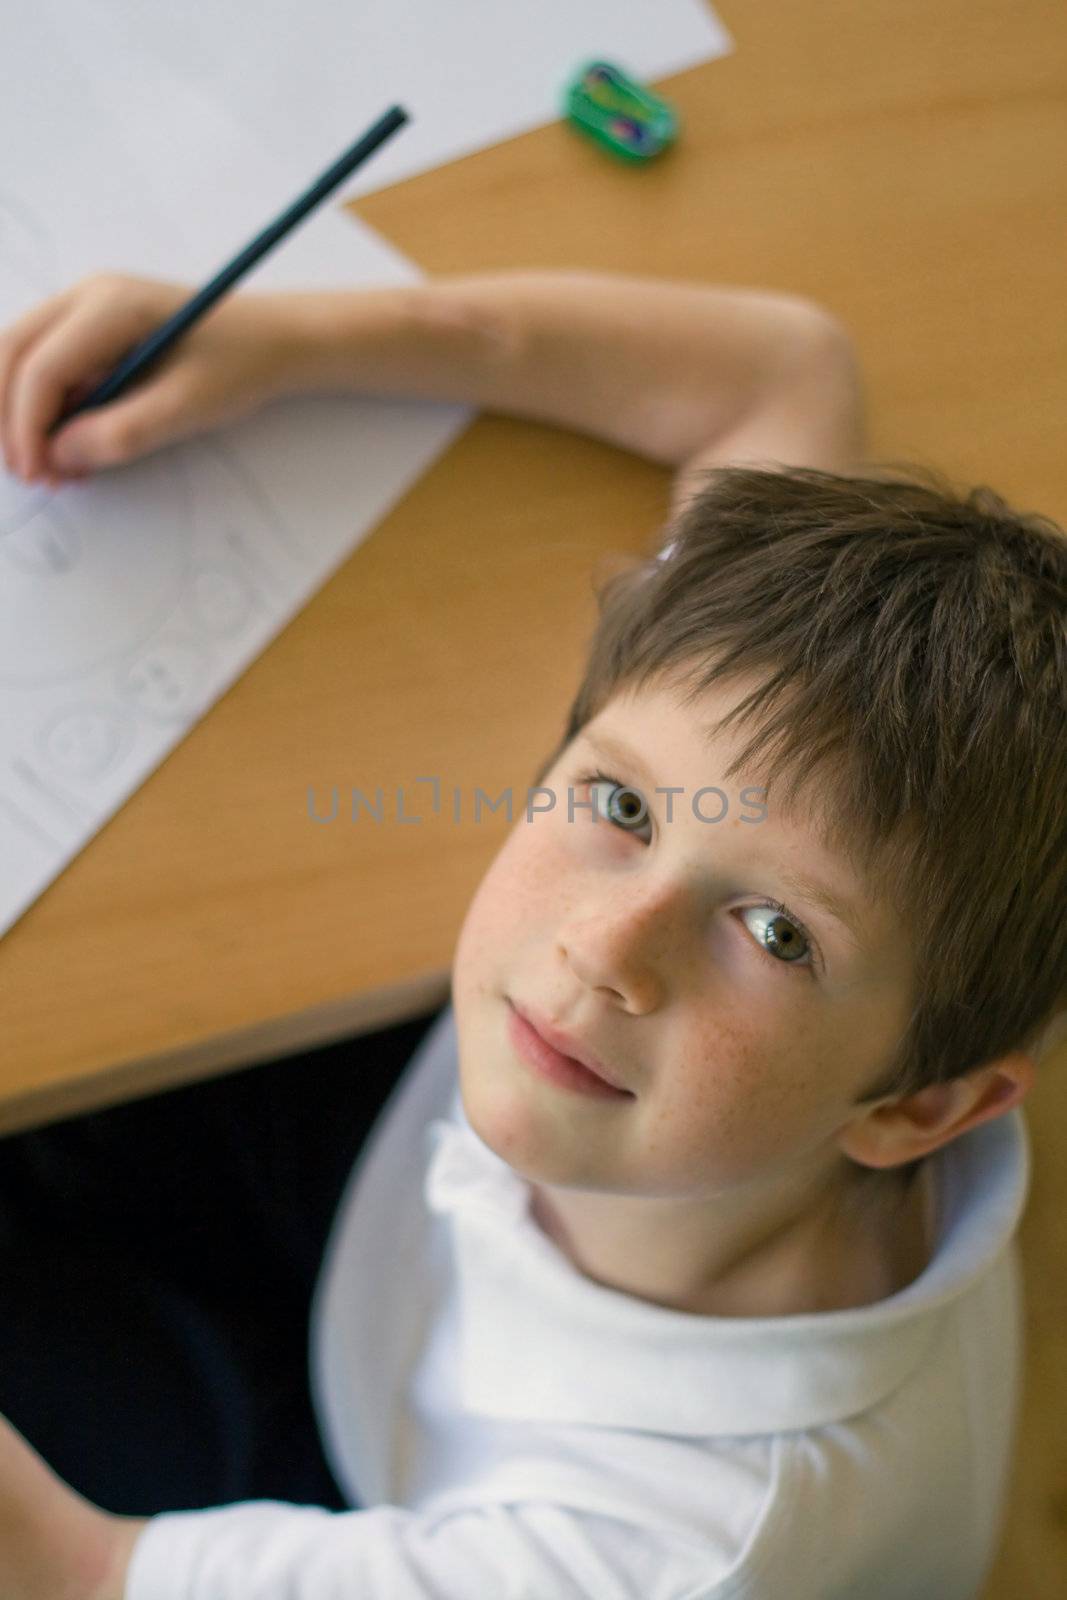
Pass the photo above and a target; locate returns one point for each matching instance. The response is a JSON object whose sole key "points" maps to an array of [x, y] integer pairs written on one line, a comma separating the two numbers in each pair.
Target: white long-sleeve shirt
{"points": [[517, 1431]]}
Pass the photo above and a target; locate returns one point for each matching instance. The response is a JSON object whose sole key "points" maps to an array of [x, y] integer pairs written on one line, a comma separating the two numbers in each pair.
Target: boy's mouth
{"points": [[559, 1056]]}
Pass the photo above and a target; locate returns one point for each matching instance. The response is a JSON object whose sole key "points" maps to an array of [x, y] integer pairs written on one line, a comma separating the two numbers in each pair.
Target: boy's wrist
{"points": [[124, 1534], [339, 341]]}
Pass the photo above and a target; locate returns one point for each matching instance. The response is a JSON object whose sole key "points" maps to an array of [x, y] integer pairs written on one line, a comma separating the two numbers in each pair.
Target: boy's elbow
{"points": [[803, 371], [809, 410], [822, 342], [824, 380]]}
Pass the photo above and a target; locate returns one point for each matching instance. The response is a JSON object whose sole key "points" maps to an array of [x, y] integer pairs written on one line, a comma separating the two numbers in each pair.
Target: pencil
{"points": [[151, 348]]}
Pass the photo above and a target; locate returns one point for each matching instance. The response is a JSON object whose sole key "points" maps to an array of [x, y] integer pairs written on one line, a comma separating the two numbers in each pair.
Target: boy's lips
{"points": [[568, 1045]]}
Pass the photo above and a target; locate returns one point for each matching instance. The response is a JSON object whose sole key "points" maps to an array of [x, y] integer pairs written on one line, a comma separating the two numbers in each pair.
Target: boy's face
{"points": [[741, 1041]]}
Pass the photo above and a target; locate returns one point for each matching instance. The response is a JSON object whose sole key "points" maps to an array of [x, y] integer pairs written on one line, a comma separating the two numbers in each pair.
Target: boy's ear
{"points": [[903, 1127]]}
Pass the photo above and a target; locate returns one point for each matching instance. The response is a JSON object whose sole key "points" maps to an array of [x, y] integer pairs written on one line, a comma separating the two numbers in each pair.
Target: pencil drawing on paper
{"points": [[124, 602], [87, 579], [83, 579]]}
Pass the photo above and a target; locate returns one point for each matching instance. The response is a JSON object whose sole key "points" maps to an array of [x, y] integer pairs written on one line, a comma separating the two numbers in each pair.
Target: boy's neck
{"points": [[839, 1248]]}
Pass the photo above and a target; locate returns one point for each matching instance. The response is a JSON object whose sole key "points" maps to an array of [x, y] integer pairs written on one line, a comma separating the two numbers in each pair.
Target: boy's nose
{"points": [[622, 951]]}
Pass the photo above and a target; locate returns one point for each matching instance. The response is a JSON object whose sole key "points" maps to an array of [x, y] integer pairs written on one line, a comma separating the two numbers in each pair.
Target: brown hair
{"points": [[911, 645]]}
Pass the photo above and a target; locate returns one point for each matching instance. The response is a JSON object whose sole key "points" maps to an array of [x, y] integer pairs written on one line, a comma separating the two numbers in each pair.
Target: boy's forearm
{"points": [[660, 368]]}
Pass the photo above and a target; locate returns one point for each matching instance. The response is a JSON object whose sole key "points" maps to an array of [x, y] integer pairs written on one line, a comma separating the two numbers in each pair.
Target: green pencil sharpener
{"points": [[604, 102]]}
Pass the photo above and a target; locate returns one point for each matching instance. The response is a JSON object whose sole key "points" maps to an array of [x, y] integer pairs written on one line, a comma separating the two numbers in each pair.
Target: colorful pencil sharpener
{"points": [[605, 103]]}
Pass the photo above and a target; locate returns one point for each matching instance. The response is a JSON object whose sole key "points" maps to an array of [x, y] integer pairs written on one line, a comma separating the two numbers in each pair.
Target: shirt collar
{"points": [[540, 1341]]}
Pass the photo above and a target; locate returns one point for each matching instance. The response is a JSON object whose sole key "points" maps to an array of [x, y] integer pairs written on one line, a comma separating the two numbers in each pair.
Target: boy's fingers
{"points": [[15, 340], [58, 362], [157, 411]]}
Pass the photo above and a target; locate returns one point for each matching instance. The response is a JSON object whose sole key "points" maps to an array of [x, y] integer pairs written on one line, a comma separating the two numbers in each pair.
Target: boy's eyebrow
{"points": [[819, 894], [607, 747]]}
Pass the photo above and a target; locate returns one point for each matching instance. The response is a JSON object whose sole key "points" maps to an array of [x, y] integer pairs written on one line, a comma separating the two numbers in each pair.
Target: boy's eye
{"points": [[619, 804], [785, 939], [778, 934]]}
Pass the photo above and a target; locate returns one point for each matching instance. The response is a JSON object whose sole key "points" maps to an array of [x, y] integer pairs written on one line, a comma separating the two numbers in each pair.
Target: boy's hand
{"points": [[54, 1545], [232, 360]]}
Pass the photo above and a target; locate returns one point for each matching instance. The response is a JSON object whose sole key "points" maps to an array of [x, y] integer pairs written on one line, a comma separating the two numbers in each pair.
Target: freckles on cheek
{"points": [[472, 961], [737, 1098], [530, 878], [772, 1090], [514, 901]]}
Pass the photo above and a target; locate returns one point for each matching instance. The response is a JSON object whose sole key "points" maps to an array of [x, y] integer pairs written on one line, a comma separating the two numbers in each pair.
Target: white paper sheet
{"points": [[148, 140], [306, 78], [131, 602]]}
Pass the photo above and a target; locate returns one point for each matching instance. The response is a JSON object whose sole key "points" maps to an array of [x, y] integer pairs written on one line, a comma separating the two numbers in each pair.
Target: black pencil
{"points": [[150, 349]]}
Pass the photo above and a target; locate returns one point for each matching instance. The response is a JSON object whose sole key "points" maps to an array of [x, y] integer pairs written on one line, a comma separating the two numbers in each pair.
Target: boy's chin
{"points": [[518, 1125], [502, 1121]]}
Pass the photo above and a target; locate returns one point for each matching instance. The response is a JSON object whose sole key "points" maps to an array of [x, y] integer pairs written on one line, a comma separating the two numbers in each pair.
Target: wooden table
{"points": [[903, 161]]}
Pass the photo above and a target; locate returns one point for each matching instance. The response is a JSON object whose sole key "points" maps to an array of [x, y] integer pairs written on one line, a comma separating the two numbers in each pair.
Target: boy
{"points": [[709, 1285]]}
